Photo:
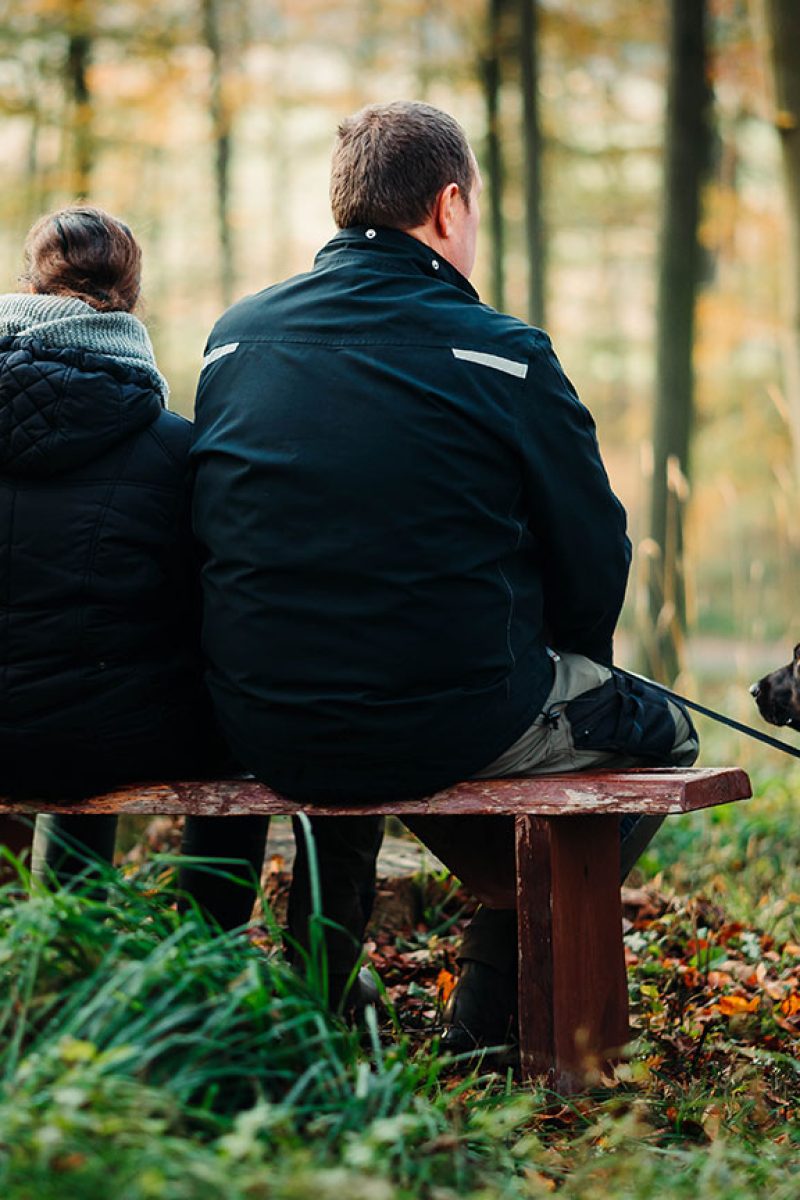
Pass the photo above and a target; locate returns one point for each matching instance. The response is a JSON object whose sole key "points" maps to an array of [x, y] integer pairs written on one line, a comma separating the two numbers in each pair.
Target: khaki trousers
{"points": [[591, 718]]}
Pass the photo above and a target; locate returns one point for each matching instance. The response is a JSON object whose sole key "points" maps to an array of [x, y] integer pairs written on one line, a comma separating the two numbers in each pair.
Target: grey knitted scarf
{"points": [[64, 321]]}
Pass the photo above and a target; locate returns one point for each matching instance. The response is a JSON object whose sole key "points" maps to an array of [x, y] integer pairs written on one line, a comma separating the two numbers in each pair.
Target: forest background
{"points": [[642, 202], [208, 127]]}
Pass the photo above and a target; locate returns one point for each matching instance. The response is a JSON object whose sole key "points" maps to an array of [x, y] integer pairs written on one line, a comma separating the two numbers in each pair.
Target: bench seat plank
{"points": [[669, 790]]}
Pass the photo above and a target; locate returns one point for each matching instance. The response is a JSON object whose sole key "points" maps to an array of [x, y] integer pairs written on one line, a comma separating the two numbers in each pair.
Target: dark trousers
{"points": [[346, 852], [72, 846], [476, 846], [16, 836], [67, 846], [225, 886]]}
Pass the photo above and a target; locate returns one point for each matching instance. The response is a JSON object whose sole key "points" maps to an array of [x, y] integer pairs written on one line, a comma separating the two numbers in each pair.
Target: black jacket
{"points": [[401, 502], [99, 653]]}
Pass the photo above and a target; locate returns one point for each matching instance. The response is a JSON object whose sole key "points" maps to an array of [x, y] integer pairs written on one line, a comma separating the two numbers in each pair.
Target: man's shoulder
{"points": [[249, 313], [509, 334]]}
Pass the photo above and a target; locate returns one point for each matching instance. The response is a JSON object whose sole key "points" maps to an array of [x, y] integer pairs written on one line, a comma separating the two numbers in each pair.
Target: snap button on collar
{"points": [[370, 234], [435, 264]]}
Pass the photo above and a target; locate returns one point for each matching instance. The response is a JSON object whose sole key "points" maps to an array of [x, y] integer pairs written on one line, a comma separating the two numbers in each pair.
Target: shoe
{"points": [[363, 992], [482, 1010], [636, 831]]}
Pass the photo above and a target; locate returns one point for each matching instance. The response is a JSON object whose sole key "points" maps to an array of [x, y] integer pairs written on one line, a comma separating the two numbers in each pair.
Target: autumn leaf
{"points": [[445, 982], [542, 1181], [69, 1162], [790, 1007], [731, 1006], [712, 1121], [785, 121]]}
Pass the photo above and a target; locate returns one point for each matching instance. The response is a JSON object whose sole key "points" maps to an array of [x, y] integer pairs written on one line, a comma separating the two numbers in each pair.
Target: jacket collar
{"points": [[407, 252], [65, 322]]}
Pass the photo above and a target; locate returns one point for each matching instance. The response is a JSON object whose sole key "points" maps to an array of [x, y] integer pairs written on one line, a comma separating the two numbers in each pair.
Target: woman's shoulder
{"points": [[173, 433], [156, 455]]}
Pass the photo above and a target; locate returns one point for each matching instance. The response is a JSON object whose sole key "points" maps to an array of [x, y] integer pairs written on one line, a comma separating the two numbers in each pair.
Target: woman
{"points": [[100, 680]]}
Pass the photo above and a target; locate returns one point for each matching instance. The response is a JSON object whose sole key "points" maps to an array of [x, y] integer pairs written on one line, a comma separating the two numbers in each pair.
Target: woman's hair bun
{"points": [[84, 252]]}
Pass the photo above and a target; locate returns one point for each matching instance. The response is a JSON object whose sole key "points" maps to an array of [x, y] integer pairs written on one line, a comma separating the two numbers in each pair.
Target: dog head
{"points": [[778, 694]]}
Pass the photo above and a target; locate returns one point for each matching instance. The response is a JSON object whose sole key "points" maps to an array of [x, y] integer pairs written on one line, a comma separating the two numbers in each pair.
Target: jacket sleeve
{"points": [[577, 522]]}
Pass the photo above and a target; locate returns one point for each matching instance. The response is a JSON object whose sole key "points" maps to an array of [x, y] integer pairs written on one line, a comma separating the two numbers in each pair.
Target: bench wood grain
{"points": [[667, 790]]}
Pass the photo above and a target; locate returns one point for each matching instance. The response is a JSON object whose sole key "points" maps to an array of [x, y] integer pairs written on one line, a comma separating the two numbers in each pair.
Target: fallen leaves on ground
{"points": [[713, 1002]]}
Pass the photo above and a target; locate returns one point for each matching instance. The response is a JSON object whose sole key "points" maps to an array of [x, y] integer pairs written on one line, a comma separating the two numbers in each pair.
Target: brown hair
{"points": [[391, 161], [84, 252]]}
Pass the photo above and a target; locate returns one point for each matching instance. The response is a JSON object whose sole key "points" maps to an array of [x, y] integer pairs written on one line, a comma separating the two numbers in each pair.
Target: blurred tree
{"points": [[686, 160], [221, 120], [783, 25], [491, 71], [532, 144], [425, 24], [45, 56], [28, 97], [79, 20]]}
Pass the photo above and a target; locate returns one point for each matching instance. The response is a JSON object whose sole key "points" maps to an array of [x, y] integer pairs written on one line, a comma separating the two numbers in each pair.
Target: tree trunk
{"points": [[532, 154], [79, 52], [34, 190], [425, 48], [783, 25], [493, 151], [219, 110], [687, 151]]}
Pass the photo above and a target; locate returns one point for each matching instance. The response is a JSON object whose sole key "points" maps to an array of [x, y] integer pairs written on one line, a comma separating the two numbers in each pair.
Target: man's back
{"points": [[394, 491]]}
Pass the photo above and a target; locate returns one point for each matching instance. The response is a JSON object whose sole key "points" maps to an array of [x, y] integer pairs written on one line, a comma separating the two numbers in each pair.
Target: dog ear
{"points": [[796, 660]]}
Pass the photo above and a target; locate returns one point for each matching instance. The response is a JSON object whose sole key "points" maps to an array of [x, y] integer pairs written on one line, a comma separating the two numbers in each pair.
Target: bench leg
{"points": [[573, 995]]}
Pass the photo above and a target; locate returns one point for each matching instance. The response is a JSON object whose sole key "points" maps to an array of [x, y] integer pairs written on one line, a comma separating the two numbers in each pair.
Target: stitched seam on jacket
{"points": [[509, 647], [7, 614], [103, 509], [158, 438], [378, 342], [504, 577]]}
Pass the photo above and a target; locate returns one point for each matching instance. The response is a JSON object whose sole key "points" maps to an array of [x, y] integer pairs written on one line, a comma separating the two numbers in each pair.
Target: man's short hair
{"points": [[391, 161]]}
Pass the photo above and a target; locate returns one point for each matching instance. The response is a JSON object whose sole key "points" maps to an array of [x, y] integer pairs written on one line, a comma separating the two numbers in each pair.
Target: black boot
{"points": [[482, 1010], [363, 992]]}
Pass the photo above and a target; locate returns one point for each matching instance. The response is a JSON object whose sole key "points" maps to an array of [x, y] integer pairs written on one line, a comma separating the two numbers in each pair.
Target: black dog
{"points": [[778, 694]]}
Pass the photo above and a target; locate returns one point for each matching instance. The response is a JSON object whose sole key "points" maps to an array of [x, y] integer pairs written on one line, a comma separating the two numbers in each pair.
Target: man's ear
{"points": [[444, 209]]}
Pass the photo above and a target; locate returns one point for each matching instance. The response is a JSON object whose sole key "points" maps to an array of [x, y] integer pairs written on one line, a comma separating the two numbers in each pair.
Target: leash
{"points": [[709, 712]]}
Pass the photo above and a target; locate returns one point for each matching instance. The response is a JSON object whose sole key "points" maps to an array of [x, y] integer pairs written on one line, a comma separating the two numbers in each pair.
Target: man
{"points": [[403, 505]]}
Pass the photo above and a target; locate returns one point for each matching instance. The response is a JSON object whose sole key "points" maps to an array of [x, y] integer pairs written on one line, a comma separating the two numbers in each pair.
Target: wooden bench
{"points": [[572, 981]]}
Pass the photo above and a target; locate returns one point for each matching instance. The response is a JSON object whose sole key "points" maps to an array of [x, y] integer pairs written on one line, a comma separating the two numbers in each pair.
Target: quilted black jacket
{"points": [[99, 678], [402, 503]]}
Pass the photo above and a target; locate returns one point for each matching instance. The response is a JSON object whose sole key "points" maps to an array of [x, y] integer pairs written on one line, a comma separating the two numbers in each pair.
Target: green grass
{"points": [[142, 1056], [746, 855]]}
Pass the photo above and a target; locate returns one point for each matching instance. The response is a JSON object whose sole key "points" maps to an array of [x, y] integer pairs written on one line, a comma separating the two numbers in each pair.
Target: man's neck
{"points": [[428, 235]]}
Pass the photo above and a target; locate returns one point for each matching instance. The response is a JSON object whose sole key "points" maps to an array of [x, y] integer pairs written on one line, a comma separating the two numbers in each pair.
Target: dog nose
{"points": [[754, 690]]}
